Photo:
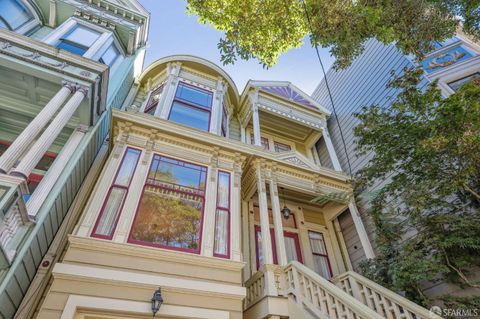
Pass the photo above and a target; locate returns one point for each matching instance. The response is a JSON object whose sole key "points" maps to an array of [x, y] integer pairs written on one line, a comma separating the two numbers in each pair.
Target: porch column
{"points": [[49, 180], [264, 222], [277, 223], [41, 145], [360, 228], [331, 150], [253, 96], [21, 143]]}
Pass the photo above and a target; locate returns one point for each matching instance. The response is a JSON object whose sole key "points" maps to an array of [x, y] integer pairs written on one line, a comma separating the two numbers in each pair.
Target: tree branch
{"points": [[471, 191], [459, 272]]}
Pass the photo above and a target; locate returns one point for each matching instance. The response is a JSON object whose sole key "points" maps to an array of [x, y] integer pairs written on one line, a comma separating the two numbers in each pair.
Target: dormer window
{"points": [[14, 15], [153, 100], [78, 40], [88, 40], [192, 106]]}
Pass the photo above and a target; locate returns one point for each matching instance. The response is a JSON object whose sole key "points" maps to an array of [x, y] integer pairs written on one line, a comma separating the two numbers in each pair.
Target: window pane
{"points": [[190, 116], [13, 14], [153, 100], [223, 192], [263, 140], [71, 47], [83, 36], [317, 243], [221, 233], [321, 266], [168, 219], [291, 248], [111, 210], [194, 96], [280, 147], [110, 56], [127, 167]]}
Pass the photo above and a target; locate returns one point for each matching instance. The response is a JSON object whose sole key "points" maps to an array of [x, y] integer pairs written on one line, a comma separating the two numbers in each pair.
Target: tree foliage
{"points": [[427, 148], [264, 29]]}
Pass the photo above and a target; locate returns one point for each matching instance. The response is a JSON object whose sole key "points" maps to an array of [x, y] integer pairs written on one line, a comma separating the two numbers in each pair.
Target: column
{"points": [[49, 180], [331, 150], [209, 211], [277, 223], [264, 222], [21, 143], [360, 228], [217, 107], [253, 96], [41, 145], [236, 219], [166, 98]]}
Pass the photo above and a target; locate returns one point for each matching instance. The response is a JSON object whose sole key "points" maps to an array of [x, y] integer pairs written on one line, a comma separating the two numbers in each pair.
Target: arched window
{"points": [[14, 14]]}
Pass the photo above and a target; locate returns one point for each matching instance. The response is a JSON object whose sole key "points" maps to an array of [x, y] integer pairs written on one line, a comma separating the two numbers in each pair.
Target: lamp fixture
{"points": [[157, 301], [286, 212]]}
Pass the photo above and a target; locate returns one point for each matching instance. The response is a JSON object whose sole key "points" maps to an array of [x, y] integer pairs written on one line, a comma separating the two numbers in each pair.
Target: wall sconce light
{"points": [[286, 212], [157, 301]]}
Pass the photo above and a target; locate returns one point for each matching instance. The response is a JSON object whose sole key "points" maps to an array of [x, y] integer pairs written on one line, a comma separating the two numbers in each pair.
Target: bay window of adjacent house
{"points": [[191, 106], [221, 246], [170, 210], [320, 256], [112, 206], [153, 100], [14, 14]]}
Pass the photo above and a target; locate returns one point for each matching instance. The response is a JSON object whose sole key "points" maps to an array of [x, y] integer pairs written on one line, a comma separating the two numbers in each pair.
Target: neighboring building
{"points": [[221, 201], [364, 83], [63, 65]]}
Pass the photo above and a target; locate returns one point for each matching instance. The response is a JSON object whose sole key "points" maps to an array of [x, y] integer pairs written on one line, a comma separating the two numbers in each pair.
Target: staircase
{"points": [[349, 296]]}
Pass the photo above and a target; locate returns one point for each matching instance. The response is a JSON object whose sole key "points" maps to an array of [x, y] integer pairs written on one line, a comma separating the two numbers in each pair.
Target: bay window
{"points": [[112, 206], [191, 106], [320, 256], [221, 246], [170, 210]]}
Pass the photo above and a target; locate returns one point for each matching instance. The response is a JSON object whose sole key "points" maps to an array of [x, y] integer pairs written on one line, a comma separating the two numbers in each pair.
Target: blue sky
{"points": [[172, 31]]}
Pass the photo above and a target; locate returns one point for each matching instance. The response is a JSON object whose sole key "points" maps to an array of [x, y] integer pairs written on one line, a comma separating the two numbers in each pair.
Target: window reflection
{"points": [[170, 211]]}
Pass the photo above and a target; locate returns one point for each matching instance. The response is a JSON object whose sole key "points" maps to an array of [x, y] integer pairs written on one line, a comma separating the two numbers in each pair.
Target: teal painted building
{"points": [[63, 65]]}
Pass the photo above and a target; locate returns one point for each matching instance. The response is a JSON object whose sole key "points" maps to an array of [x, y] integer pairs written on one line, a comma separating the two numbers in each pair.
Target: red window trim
{"points": [[324, 247], [227, 209], [142, 243], [112, 186], [297, 244]]}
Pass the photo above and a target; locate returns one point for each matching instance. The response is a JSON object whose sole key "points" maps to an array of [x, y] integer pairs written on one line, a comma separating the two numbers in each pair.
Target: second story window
{"points": [[192, 106], [13, 14], [110, 56], [263, 140], [78, 40], [170, 211]]}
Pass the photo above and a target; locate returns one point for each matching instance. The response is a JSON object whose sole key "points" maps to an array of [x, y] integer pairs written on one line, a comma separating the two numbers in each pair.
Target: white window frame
{"points": [[98, 48], [29, 26]]}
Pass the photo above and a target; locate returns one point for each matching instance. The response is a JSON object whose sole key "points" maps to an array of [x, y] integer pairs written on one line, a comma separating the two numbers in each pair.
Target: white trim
{"points": [[133, 279], [118, 306]]}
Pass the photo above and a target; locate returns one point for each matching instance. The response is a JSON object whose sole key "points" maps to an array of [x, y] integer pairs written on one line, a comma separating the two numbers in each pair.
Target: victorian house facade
{"points": [[63, 66], [216, 204]]}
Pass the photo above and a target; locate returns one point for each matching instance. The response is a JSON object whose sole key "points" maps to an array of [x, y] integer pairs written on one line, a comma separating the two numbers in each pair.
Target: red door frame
{"points": [[274, 246]]}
